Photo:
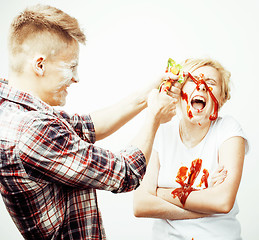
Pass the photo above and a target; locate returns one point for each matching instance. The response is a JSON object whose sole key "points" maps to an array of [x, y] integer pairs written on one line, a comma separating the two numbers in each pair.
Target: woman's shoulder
{"points": [[226, 121], [226, 127]]}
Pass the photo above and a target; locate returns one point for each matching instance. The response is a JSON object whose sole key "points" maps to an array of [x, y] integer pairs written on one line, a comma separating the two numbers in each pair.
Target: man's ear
{"points": [[38, 65]]}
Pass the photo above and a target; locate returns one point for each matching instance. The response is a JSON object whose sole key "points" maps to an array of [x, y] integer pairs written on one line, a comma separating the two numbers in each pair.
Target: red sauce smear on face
{"points": [[199, 82], [186, 186], [184, 96], [189, 112]]}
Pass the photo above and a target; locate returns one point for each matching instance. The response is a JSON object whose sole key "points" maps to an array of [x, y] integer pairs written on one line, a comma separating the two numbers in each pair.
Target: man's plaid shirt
{"points": [[49, 169]]}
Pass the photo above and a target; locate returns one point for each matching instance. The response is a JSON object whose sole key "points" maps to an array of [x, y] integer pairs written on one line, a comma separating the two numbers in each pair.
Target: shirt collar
{"points": [[22, 98]]}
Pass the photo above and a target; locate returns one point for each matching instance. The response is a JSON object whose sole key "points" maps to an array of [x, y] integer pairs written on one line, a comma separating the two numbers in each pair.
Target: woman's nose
{"points": [[75, 78], [202, 87]]}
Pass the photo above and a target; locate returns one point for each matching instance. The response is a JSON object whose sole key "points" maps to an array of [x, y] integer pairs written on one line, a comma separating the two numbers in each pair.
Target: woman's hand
{"points": [[218, 176]]}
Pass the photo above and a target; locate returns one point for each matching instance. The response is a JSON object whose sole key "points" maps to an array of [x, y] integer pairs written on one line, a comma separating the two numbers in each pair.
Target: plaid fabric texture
{"points": [[50, 169]]}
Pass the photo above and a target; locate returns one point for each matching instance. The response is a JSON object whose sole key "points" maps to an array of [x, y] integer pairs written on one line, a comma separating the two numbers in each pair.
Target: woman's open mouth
{"points": [[198, 103]]}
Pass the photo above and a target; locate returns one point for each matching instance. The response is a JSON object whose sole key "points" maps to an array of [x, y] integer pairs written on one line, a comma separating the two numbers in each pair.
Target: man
{"points": [[49, 166]]}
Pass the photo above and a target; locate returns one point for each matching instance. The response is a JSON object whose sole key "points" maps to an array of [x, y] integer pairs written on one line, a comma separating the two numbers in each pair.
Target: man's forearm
{"points": [[145, 138], [161, 109], [110, 119]]}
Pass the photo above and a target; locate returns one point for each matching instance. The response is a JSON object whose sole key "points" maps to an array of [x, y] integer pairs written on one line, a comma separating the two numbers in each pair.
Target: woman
{"points": [[186, 186]]}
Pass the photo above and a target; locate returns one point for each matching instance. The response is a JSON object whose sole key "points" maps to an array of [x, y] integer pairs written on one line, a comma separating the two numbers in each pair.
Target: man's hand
{"points": [[163, 105], [144, 92]]}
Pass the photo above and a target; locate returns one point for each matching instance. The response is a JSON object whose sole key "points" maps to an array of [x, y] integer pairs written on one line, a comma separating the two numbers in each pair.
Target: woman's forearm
{"points": [[219, 198], [207, 201], [150, 206]]}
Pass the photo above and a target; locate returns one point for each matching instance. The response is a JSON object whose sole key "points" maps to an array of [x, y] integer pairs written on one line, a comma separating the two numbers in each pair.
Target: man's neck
{"points": [[22, 82]]}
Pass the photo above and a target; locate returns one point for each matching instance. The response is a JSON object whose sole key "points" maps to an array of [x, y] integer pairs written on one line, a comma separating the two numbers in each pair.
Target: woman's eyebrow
{"points": [[205, 78]]}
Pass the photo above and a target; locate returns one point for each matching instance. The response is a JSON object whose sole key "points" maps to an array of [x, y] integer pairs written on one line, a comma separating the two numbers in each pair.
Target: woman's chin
{"points": [[200, 118]]}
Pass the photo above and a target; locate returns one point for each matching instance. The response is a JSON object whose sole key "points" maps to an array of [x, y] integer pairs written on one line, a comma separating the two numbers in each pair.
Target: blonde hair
{"points": [[47, 26], [192, 64]]}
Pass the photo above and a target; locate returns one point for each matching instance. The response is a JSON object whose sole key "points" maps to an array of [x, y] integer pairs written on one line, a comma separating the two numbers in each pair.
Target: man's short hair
{"points": [[44, 24]]}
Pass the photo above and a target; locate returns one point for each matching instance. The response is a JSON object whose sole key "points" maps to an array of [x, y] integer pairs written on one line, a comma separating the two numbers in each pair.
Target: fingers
{"points": [[175, 92], [170, 76], [161, 105], [169, 110], [217, 180], [175, 97], [219, 176]]}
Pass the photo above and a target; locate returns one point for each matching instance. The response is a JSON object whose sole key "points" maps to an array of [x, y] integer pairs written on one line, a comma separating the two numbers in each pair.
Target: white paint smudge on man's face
{"points": [[69, 76], [69, 73]]}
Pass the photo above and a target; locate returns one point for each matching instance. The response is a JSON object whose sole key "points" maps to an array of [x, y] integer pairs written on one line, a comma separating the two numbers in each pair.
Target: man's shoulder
{"points": [[19, 116]]}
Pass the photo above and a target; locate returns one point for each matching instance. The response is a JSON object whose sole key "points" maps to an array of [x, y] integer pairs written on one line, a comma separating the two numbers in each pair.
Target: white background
{"points": [[128, 44]]}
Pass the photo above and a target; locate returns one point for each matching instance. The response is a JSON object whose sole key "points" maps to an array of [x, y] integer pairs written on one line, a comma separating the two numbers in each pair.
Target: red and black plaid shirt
{"points": [[49, 169]]}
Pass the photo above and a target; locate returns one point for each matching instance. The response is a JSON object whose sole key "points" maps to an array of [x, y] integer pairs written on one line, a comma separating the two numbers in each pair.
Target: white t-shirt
{"points": [[173, 154]]}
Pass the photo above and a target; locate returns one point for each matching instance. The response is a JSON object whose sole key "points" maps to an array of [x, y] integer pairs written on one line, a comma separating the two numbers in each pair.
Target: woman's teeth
{"points": [[198, 103]]}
